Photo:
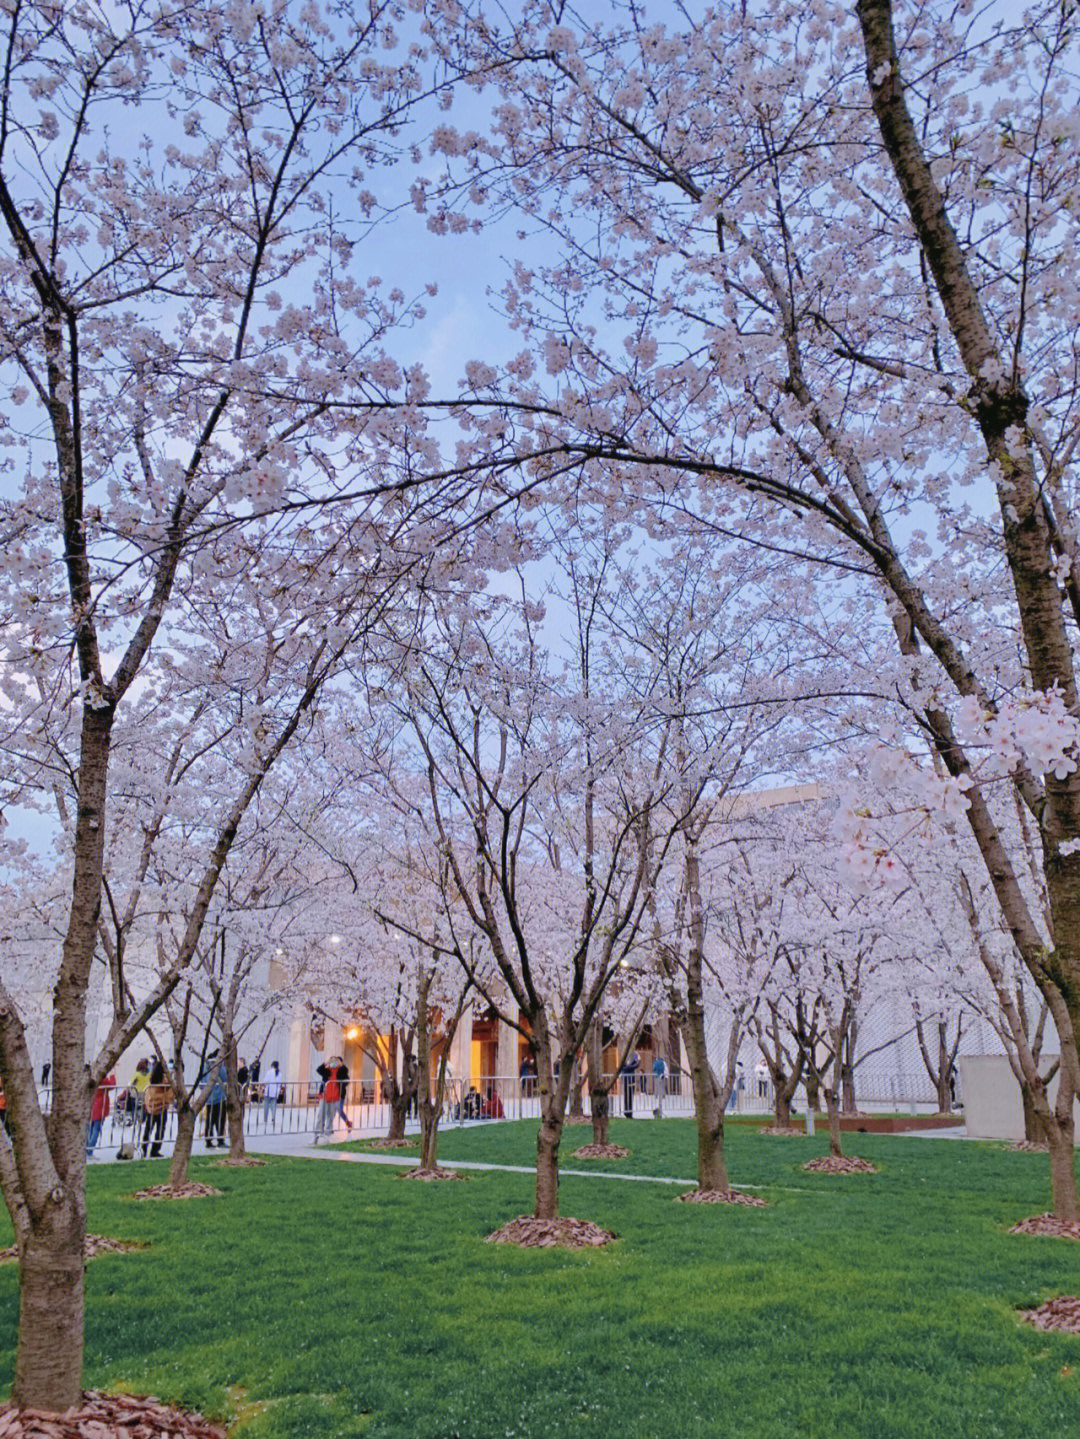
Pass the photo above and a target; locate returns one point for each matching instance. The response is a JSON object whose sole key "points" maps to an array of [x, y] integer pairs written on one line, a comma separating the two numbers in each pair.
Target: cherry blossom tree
{"points": [[807, 288], [172, 180], [548, 815]]}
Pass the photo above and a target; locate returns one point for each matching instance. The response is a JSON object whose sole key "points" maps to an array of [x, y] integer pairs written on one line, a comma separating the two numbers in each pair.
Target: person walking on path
{"points": [[659, 1073], [631, 1065], [99, 1112]]}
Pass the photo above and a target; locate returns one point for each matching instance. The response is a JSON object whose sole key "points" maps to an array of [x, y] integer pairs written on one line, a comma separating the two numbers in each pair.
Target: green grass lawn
{"points": [[329, 1299]]}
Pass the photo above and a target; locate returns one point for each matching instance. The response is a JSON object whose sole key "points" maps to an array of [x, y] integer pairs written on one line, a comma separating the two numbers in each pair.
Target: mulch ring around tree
{"points": [[431, 1174], [783, 1131], [95, 1244], [840, 1164], [1048, 1224], [1062, 1313], [192, 1189], [108, 1416], [247, 1162], [601, 1151], [721, 1196], [392, 1144], [528, 1232], [1027, 1146]]}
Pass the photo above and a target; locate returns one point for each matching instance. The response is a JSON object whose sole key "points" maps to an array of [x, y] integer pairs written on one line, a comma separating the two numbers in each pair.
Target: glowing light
{"points": [[352, 1033], [335, 939]]}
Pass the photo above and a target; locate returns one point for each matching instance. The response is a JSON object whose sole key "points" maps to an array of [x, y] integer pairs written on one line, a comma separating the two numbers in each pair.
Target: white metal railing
{"points": [[301, 1109]]}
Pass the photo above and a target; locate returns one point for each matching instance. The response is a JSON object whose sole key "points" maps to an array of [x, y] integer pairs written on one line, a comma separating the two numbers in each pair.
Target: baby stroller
{"points": [[125, 1113]]}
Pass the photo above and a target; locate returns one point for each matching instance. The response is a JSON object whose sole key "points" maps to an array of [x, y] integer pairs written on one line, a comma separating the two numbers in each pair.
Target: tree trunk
{"points": [[48, 1366], [1066, 1203], [847, 1072], [399, 1108], [553, 1097], [599, 1085], [813, 1094], [577, 1092], [185, 1139], [944, 1090], [782, 1107], [547, 1163], [709, 1115], [1034, 1128], [833, 1111], [427, 1106], [234, 1104], [708, 1108], [600, 1102]]}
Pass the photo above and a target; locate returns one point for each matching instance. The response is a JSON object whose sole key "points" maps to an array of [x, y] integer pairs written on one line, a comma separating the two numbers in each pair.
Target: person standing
{"points": [[99, 1112], [659, 1072], [328, 1099], [156, 1101], [139, 1084], [214, 1074], [341, 1075], [271, 1094], [412, 1084], [631, 1065]]}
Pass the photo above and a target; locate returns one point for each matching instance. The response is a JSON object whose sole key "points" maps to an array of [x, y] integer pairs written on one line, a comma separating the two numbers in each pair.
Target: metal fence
{"points": [[300, 1108]]}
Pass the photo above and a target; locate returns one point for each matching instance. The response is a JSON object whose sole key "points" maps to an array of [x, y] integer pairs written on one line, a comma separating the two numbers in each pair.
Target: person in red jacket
{"points": [[99, 1112]]}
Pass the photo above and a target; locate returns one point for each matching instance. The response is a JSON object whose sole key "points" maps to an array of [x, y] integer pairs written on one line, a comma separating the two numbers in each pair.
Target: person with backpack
{"points": [[156, 1100], [329, 1097], [215, 1101]]}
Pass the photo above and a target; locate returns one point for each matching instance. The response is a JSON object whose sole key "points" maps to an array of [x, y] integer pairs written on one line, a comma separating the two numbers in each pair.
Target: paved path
{"points": [[407, 1161]]}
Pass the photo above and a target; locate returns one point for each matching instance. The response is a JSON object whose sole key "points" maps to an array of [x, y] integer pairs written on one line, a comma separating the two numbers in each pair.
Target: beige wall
{"points": [[991, 1095]]}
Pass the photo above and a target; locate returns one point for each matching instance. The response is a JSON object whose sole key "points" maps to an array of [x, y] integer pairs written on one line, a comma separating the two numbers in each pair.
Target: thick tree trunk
{"points": [[553, 1098], [399, 1109], [1065, 1201], [547, 1164], [1034, 1128], [577, 1091], [813, 1094], [708, 1105], [48, 1366], [782, 1107], [185, 1139], [429, 1135], [600, 1101], [709, 1114]]}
